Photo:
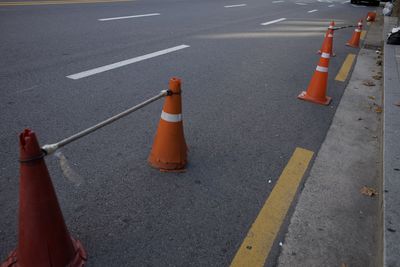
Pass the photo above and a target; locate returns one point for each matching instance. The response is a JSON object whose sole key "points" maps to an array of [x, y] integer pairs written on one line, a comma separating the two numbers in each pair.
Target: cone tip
{"points": [[25, 136], [29, 146], [175, 85]]}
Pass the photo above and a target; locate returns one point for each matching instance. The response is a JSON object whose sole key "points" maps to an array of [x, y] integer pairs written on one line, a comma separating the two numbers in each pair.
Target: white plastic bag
{"points": [[396, 29], [387, 11], [389, 5]]}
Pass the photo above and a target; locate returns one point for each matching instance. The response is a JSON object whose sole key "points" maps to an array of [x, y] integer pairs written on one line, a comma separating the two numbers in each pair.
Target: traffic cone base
{"points": [[169, 156], [303, 96], [78, 261], [353, 45], [169, 151]]}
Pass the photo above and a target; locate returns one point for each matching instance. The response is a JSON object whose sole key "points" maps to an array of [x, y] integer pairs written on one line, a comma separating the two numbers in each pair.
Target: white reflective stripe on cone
{"points": [[330, 35], [357, 30], [325, 55], [321, 69], [171, 117]]}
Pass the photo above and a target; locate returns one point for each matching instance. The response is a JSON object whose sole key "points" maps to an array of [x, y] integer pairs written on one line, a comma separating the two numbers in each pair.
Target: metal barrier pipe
{"points": [[51, 148], [344, 27]]}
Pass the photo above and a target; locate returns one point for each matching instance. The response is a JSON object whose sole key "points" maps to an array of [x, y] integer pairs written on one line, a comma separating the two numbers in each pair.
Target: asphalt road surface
{"points": [[242, 119]]}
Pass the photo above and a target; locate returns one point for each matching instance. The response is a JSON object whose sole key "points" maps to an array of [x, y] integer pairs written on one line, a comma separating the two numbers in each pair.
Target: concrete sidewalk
{"points": [[391, 149], [336, 222]]}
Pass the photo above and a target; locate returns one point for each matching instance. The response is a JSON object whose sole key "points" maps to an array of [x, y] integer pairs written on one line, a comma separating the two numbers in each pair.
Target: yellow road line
{"points": [[260, 238], [363, 33], [34, 3], [345, 69]]}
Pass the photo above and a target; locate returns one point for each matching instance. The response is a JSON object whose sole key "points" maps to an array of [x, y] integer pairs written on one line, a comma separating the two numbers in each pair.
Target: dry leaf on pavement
{"points": [[378, 109], [371, 97], [377, 77], [369, 83], [368, 191], [397, 104]]}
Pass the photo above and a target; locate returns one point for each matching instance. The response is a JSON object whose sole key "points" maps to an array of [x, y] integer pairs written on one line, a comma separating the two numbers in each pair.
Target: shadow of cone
{"points": [[169, 151], [327, 45], [355, 38], [43, 238], [316, 91]]}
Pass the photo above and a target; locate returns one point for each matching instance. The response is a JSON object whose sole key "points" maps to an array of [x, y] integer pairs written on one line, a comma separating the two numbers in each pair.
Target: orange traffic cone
{"points": [[43, 238], [328, 40], [371, 16], [169, 152], [355, 39], [316, 91]]}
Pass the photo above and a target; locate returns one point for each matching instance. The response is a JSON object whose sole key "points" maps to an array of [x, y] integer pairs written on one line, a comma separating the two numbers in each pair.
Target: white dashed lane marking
{"points": [[240, 5], [273, 21], [131, 17], [119, 64]]}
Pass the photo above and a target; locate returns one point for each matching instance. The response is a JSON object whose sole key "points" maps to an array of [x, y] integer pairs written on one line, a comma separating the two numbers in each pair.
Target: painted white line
{"points": [[91, 72], [273, 21], [301, 4], [312, 11], [240, 5], [130, 17], [331, 5], [279, 1], [345, 2]]}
